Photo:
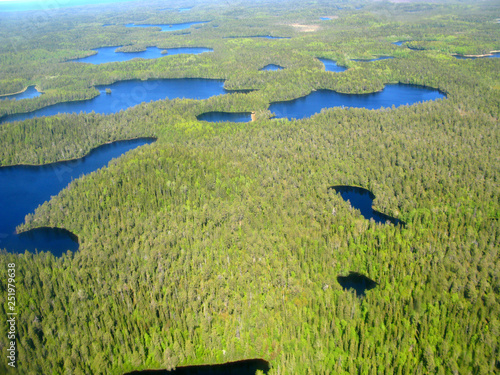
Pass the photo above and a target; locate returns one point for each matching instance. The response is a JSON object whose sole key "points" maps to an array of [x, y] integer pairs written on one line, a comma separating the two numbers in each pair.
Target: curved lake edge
{"points": [[223, 116], [19, 235], [93, 149], [227, 368], [5, 117], [492, 53], [398, 85], [391, 219], [37, 88]]}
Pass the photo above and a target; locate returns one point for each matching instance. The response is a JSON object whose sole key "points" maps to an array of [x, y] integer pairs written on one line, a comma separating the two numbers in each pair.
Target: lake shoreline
{"points": [[154, 139]]}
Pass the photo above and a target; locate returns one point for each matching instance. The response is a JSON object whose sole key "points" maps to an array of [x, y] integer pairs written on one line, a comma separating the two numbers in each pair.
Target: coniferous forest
{"points": [[224, 241]]}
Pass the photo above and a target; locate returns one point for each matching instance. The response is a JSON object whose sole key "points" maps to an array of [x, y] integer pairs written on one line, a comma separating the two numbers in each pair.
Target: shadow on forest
{"points": [[357, 281], [243, 367]]}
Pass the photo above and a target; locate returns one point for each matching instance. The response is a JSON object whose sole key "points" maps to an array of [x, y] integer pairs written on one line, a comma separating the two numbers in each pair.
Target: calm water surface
{"points": [[24, 188], [126, 94], [376, 59], [29, 93], [313, 103], [331, 66], [494, 55], [169, 27], [272, 67], [107, 54], [225, 116], [362, 200]]}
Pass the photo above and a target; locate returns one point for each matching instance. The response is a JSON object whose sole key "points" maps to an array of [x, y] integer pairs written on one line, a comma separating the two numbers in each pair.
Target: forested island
{"points": [[219, 242]]}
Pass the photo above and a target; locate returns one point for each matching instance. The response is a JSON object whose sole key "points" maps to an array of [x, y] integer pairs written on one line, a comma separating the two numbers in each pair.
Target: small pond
{"points": [[108, 54], [271, 67], [30, 92], [225, 116], [313, 103], [362, 200], [244, 367], [400, 42], [331, 66], [357, 281], [24, 188], [126, 94], [169, 27]]}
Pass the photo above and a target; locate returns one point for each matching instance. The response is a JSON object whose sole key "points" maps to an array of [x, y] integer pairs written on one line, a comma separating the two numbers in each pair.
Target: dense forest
{"points": [[223, 241]]}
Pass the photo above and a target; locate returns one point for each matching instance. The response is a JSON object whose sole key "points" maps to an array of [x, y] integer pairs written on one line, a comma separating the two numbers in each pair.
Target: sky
{"points": [[20, 5]]}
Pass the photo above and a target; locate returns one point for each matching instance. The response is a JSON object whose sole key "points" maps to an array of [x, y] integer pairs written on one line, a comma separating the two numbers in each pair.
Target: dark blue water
{"points": [[272, 67], [169, 27], [357, 281], [331, 66], [29, 93], [377, 59], [225, 116], [244, 367], [494, 55], [313, 103], [108, 54], [362, 200], [126, 94], [24, 188]]}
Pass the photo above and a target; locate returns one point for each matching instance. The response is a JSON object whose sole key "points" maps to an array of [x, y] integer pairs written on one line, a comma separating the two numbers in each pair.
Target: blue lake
{"points": [[400, 43], [126, 94], [331, 66], [494, 55], [29, 93], [108, 54], [313, 103], [362, 200], [169, 27], [377, 59], [272, 67], [24, 188], [225, 116]]}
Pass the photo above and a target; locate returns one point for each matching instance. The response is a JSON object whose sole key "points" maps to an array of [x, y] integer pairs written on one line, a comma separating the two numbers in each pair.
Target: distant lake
{"points": [[108, 54], [313, 103], [29, 93], [225, 116], [399, 43], [331, 66], [494, 55], [169, 27], [376, 59], [362, 200], [126, 94], [271, 67], [24, 188]]}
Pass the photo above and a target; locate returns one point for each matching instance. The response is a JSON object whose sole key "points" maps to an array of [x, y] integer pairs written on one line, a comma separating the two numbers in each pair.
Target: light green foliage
{"points": [[222, 241]]}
